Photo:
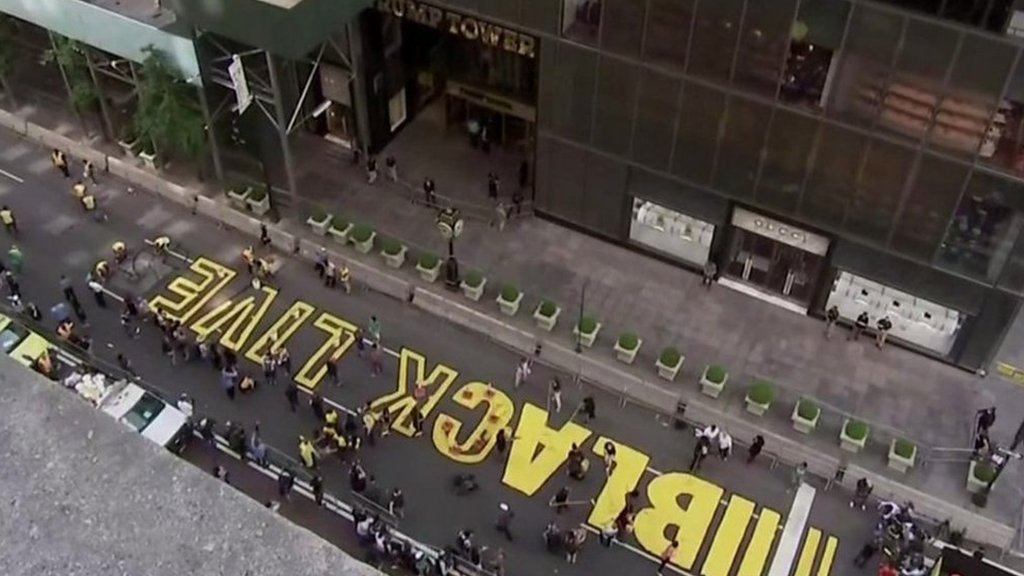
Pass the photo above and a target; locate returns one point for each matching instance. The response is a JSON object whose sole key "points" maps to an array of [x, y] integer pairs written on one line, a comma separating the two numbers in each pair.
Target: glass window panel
{"points": [[581, 20], [547, 95], [568, 167], [697, 133], [655, 119], [859, 86], [929, 207], [714, 38], [742, 142], [877, 197], [985, 226], [604, 204], [833, 176], [540, 15], [668, 31], [616, 90], [626, 26], [999, 15], [1012, 277], [765, 38], [575, 92], [507, 10], [785, 164], [975, 87], [816, 37]]}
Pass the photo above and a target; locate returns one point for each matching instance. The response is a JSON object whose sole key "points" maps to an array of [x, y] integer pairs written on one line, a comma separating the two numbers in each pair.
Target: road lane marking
{"points": [[803, 567], [760, 545], [640, 552], [12, 176], [728, 537], [796, 520], [825, 566]]}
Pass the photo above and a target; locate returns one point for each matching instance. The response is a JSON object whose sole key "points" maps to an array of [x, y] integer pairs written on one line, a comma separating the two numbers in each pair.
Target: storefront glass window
{"points": [[714, 38], [1003, 146], [873, 208], [655, 116], [986, 225], [833, 177], [929, 207], [865, 64], [742, 143], [697, 133], [581, 20], [914, 320], [815, 39], [624, 33], [613, 116], [670, 232], [785, 164], [668, 32], [1012, 277], [764, 40]]}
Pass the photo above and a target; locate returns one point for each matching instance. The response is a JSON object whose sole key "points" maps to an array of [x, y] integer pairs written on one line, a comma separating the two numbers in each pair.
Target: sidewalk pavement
{"points": [[899, 392]]}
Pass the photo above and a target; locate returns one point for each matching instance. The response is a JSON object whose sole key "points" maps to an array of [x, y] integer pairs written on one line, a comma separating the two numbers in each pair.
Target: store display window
{"points": [[670, 232]]}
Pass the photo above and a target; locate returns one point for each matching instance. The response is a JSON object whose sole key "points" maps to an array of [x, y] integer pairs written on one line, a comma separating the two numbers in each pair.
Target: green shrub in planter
{"points": [[984, 472], [473, 278], [715, 374], [761, 392], [389, 246], [428, 261], [339, 224], [587, 325], [147, 147], [807, 409], [629, 341], [318, 215], [669, 356], [258, 194], [509, 293], [128, 134], [856, 430], [361, 233], [903, 448], [547, 308]]}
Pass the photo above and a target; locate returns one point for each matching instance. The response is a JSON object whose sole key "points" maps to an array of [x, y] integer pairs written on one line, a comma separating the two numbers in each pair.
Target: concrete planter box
{"points": [[756, 408], [429, 274], [340, 235], [627, 355], [239, 199], [668, 371], [901, 463], [509, 307], [474, 293], [587, 339], [709, 387], [366, 246], [259, 207], [130, 148], [393, 260], [974, 485], [547, 322], [320, 227], [805, 425], [850, 444], [148, 159]]}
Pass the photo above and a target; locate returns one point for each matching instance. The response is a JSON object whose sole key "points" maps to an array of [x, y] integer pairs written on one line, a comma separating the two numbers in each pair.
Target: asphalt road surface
{"points": [[731, 518]]}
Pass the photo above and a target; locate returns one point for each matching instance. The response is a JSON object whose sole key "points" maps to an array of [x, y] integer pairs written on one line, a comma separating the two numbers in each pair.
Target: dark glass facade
{"points": [[895, 129]]}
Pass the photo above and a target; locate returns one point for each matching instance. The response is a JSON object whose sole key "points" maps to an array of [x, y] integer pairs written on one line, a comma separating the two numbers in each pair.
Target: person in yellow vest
{"points": [[89, 202], [60, 162], [79, 189], [120, 251], [345, 277], [7, 216], [101, 271], [331, 418], [307, 453], [249, 257]]}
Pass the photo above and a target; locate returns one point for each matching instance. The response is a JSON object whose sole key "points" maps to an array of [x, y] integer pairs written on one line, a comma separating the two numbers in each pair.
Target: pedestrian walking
{"points": [[860, 325], [392, 165], [861, 493], [316, 484], [755, 448], [316, 404], [330, 275], [373, 329], [883, 325], [700, 451], [228, 377], [396, 503], [371, 170], [60, 162], [7, 217], [560, 500], [13, 286], [376, 361], [67, 289], [79, 311], [307, 453], [284, 361], [504, 521], [574, 540], [724, 445], [798, 476], [500, 216], [709, 274], [285, 483], [831, 319], [264, 236], [291, 392], [185, 404], [523, 371], [555, 395], [97, 293], [269, 368], [126, 323], [321, 262], [345, 277], [429, 192], [493, 183], [608, 534], [258, 450], [417, 422], [89, 172], [16, 259], [360, 343], [517, 203], [331, 367], [609, 458], [588, 409], [667, 555]]}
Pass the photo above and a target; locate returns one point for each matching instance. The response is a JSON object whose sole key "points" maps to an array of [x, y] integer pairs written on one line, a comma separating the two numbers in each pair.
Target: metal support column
{"points": [[211, 133], [101, 97], [67, 83], [282, 125], [359, 100]]}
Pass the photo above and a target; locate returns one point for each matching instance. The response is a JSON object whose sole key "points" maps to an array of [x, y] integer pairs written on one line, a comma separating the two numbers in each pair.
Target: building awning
{"points": [[289, 28]]}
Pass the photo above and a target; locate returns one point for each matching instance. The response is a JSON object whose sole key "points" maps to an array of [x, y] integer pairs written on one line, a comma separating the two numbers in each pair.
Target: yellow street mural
{"points": [[720, 534]]}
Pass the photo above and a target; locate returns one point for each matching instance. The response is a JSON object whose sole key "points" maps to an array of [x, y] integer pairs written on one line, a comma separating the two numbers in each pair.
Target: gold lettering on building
{"points": [[459, 25]]}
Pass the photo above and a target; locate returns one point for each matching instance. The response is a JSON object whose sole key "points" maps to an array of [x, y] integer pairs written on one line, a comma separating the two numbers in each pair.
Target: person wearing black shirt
{"points": [[831, 318], [860, 325], [883, 325]]}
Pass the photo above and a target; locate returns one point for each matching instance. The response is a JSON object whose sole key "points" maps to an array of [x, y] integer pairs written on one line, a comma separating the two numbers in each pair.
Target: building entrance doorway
{"points": [[775, 261]]}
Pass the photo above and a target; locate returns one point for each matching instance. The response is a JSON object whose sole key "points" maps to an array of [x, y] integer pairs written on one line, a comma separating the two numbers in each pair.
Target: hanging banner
{"points": [[238, 80]]}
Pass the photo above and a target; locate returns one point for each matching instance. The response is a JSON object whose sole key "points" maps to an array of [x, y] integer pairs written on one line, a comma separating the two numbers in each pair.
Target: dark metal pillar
{"points": [[101, 97], [359, 104], [211, 132], [282, 125], [67, 83]]}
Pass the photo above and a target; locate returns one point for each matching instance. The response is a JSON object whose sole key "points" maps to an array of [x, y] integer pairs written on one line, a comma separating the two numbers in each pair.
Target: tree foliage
{"points": [[70, 56], [167, 115]]}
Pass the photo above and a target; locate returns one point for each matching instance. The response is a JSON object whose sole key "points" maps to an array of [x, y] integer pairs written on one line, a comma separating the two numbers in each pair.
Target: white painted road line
{"points": [[792, 532], [11, 176]]}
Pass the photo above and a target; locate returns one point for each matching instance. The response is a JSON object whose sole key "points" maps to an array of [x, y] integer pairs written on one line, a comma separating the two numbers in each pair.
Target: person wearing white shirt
{"points": [[710, 432], [724, 445], [186, 406]]}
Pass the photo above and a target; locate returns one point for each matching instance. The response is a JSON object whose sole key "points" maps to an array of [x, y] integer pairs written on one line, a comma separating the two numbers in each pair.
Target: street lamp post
{"points": [[579, 318], [450, 224]]}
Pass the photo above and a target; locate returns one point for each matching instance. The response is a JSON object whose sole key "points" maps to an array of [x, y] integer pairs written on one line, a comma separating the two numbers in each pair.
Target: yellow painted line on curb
{"points": [[803, 567], [825, 566], [728, 537], [760, 546]]}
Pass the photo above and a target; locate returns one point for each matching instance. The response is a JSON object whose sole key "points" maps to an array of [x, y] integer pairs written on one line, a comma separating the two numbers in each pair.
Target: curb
{"points": [[627, 386]]}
